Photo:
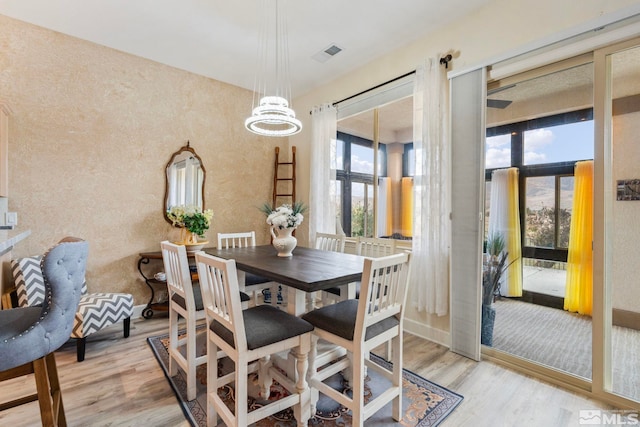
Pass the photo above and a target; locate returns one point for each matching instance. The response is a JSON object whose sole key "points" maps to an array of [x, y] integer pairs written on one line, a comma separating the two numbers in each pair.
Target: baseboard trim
{"points": [[137, 311], [427, 332], [626, 319]]}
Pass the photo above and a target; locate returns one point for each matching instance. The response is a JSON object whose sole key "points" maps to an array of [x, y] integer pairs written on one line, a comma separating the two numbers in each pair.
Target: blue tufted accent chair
{"points": [[95, 310], [30, 335]]}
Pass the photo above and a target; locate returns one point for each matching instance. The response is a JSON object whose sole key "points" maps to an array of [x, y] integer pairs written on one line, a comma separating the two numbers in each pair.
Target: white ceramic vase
{"points": [[283, 241]]}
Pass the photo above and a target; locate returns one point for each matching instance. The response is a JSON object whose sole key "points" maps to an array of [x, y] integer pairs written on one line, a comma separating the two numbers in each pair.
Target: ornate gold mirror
{"points": [[185, 176]]}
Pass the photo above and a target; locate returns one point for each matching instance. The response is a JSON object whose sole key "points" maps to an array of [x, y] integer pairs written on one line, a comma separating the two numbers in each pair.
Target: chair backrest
{"points": [[330, 242], [221, 296], [236, 240], [383, 292], [63, 268], [176, 267], [29, 280], [375, 247]]}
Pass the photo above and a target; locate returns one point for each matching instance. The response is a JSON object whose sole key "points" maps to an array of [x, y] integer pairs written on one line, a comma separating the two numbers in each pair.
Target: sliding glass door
{"points": [[620, 68], [539, 129], [574, 150]]}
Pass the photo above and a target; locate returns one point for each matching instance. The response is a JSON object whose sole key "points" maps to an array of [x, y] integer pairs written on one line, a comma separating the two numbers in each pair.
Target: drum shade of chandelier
{"points": [[272, 114]]}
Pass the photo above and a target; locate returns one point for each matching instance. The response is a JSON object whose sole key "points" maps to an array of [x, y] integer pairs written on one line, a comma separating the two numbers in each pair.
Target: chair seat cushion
{"points": [[264, 325], [340, 319], [98, 310], [254, 279], [197, 298]]}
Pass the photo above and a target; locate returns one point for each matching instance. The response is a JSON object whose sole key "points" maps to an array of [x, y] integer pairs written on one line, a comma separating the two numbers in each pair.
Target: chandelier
{"points": [[273, 116]]}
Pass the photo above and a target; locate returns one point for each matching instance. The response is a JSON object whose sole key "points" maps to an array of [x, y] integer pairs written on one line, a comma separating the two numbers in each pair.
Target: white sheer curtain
{"points": [[431, 235], [504, 218], [322, 191]]}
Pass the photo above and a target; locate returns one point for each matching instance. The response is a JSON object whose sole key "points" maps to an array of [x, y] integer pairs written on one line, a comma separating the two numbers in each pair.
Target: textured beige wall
{"points": [[625, 292], [91, 132]]}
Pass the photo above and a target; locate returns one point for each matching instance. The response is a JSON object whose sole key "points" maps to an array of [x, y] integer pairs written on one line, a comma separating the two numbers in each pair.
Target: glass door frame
{"points": [[603, 227], [600, 385]]}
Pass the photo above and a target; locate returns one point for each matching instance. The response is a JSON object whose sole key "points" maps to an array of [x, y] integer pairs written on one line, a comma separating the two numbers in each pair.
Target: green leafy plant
{"points": [[494, 266], [191, 218], [495, 244]]}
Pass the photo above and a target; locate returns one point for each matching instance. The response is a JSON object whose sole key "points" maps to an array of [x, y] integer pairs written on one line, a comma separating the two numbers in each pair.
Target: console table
{"points": [[144, 259]]}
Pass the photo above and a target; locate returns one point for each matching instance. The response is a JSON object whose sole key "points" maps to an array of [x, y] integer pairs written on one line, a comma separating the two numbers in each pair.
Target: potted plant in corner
{"points": [[493, 266]]}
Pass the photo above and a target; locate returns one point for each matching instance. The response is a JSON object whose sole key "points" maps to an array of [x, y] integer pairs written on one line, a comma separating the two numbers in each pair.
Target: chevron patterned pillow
{"points": [[27, 276], [28, 279]]}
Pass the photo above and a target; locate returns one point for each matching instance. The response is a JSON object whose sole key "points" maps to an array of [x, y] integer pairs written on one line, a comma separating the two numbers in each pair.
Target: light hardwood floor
{"points": [[121, 384]]}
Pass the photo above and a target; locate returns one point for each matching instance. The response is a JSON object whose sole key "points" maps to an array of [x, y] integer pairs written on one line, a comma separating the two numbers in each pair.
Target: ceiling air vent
{"points": [[327, 53]]}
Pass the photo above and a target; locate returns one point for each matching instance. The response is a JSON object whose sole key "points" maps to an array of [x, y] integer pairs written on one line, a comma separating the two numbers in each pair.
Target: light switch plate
{"points": [[11, 218]]}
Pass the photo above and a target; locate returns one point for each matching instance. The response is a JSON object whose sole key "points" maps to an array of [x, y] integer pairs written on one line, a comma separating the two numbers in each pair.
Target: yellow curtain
{"points": [[579, 287], [388, 206], [407, 206], [513, 274]]}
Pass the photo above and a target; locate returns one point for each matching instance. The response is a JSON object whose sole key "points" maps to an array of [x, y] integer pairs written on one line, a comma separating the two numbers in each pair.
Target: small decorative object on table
{"points": [[285, 219], [194, 222]]}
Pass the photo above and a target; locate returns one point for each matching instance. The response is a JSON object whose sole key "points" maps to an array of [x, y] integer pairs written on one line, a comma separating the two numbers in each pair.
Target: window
{"points": [[545, 151], [356, 189], [498, 151], [356, 178], [382, 208], [362, 158], [562, 143]]}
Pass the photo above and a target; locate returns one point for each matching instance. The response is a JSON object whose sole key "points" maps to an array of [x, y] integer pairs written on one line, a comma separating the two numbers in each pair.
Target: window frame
{"points": [[557, 170], [346, 177]]}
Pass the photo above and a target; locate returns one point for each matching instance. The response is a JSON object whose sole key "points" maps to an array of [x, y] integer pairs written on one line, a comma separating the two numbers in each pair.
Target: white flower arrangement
{"points": [[284, 216]]}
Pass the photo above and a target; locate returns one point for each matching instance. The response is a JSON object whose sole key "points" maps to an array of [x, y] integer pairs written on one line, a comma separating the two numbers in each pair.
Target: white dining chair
{"points": [[185, 300], [328, 242], [253, 283], [249, 338], [359, 326], [373, 247]]}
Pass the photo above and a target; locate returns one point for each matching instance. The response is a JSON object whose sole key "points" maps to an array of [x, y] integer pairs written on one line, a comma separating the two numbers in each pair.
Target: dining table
{"points": [[308, 270]]}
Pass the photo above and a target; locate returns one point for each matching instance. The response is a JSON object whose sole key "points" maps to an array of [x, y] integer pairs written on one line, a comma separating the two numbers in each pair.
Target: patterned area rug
{"points": [[424, 403]]}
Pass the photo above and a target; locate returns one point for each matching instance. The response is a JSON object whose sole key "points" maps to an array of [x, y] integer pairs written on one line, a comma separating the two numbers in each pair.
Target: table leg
{"points": [[296, 301], [241, 280], [351, 290]]}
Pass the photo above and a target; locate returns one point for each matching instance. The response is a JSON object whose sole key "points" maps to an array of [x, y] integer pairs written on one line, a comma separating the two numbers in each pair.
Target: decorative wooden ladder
{"points": [[284, 187], [284, 181]]}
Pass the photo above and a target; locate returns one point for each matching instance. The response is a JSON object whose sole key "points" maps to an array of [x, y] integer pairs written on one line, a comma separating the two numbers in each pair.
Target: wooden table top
{"points": [[308, 270]]}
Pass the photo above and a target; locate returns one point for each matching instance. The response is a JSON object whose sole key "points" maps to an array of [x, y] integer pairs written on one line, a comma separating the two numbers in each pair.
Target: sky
{"points": [[545, 145], [561, 143]]}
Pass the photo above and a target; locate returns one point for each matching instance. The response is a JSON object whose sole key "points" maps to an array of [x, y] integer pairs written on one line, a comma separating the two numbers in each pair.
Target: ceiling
{"points": [[219, 38]]}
